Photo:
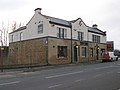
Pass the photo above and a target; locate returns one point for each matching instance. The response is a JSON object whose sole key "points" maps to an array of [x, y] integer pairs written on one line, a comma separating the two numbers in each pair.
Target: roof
{"points": [[68, 24], [73, 21], [19, 29], [65, 23], [96, 30], [58, 21]]}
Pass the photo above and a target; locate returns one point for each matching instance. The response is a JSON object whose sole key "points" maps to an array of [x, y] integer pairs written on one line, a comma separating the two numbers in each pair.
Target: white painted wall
{"points": [[83, 28], [31, 31], [32, 27], [16, 36], [102, 37], [53, 30]]}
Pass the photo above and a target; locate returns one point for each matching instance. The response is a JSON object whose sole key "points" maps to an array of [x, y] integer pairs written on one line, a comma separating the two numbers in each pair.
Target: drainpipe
{"points": [[71, 44], [46, 45], [88, 44]]}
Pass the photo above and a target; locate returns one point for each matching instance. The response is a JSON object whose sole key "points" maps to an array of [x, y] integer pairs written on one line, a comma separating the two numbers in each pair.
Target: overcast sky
{"points": [[104, 13]]}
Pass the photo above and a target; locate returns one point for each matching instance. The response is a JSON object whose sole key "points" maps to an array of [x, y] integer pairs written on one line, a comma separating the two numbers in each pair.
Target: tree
{"points": [[4, 35], [14, 26], [5, 30]]}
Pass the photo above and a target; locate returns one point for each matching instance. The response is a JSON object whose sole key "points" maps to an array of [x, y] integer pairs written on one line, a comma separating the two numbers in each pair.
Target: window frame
{"points": [[62, 51], [80, 36], [21, 36], [61, 32], [40, 28], [96, 38], [12, 38], [84, 53]]}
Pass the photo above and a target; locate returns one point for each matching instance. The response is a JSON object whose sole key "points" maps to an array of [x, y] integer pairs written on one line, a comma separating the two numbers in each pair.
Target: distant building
{"points": [[110, 45], [48, 40]]}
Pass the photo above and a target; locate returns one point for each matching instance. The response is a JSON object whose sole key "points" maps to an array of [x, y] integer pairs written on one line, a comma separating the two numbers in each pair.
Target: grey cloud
{"points": [[11, 4], [111, 14]]}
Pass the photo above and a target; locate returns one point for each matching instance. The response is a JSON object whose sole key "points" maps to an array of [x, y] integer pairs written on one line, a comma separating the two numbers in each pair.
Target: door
{"points": [[75, 54]]}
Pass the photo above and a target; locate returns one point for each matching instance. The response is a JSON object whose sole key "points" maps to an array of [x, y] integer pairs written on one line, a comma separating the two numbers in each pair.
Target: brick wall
{"points": [[31, 52], [34, 52], [53, 44], [100, 48]]}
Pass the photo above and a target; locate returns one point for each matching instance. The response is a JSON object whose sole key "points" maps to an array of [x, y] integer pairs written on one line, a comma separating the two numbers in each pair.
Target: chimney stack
{"points": [[94, 25], [38, 10]]}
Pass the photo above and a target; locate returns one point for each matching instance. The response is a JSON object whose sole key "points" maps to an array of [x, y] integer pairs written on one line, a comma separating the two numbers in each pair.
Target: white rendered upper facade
{"points": [[45, 26]]}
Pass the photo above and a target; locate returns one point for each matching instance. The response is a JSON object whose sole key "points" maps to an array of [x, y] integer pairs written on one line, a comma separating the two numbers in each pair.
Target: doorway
{"points": [[75, 53]]}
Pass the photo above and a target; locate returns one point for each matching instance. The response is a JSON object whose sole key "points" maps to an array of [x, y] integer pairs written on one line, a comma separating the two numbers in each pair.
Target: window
{"points": [[91, 52], [80, 36], [12, 38], [62, 51], [21, 36], [40, 28], [96, 38], [83, 51], [65, 33], [61, 33]]}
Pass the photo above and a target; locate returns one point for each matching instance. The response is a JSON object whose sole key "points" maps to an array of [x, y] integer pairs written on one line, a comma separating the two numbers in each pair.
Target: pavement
{"points": [[39, 68]]}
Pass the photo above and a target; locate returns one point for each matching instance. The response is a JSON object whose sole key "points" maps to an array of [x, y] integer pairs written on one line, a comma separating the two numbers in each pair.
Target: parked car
{"points": [[109, 56]]}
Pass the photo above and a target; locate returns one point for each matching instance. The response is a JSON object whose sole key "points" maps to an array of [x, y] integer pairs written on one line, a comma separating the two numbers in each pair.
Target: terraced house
{"points": [[48, 40]]}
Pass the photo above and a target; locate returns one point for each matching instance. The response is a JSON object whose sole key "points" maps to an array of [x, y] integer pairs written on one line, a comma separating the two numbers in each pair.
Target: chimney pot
{"points": [[38, 10], [95, 26]]}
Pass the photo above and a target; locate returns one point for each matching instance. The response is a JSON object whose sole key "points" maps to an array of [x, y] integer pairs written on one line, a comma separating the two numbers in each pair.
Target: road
{"points": [[102, 76]]}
